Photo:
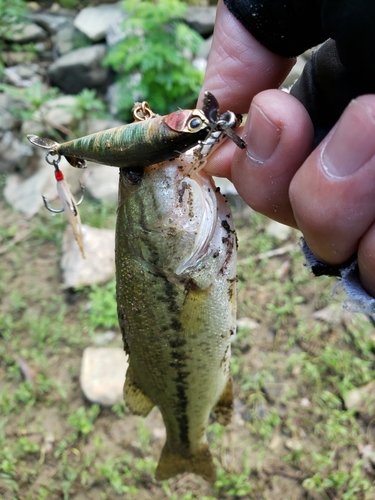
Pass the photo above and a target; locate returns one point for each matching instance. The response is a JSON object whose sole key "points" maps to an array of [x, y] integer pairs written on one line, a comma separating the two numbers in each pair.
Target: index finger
{"points": [[239, 66]]}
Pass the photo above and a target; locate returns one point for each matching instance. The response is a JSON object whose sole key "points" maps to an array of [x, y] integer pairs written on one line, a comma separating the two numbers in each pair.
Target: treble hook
{"points": [[69, 206], [59, 176]]}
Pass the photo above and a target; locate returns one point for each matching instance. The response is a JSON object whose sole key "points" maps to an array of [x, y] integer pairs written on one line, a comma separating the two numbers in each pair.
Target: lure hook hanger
{"points": [[59, 177]]}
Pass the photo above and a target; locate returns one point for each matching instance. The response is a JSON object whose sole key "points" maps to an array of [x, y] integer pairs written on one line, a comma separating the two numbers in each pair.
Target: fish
{"points": [[176, 295]]}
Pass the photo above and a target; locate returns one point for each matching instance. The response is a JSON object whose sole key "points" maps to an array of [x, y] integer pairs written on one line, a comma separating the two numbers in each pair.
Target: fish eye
{"points": [[195, 124]]}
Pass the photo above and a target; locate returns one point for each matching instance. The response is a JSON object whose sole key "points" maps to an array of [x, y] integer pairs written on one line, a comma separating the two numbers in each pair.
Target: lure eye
{"points": [[195, 124]]}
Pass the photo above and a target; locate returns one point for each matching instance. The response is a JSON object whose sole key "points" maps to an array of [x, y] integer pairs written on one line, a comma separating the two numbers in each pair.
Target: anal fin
{"points": [[137, 402], [172, 463], [223, 409]]}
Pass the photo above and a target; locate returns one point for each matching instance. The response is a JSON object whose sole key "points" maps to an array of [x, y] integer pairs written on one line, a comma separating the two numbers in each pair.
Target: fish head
{"points": [[170, 217]]}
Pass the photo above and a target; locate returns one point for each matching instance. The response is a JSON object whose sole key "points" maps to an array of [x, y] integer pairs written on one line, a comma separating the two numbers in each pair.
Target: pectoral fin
{"points": [[172, 463], [224, 407], [137, 402]]}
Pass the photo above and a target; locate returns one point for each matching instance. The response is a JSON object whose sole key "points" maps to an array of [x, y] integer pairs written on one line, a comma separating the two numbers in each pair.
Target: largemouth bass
{"points": [[176, 295]]}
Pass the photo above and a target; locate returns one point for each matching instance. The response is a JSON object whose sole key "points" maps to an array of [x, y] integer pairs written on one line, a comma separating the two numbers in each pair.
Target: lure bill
{"points": [[150, 139]]}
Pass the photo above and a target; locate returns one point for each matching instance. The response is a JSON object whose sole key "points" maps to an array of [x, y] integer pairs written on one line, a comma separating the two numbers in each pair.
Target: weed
{"points": [[83, 419], [102, 306], [153, 59], [116, 471], [233, 484]]}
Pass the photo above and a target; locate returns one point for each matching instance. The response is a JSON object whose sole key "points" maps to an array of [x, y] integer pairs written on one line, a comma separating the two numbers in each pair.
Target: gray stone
{"points": [[15, 155], [54, 114], [64, 38], [332, 314], [201, 19], [102, 182], [23, 75], [25, 33], [8, 120], [362, 399], [52, 23], [95, 21], [79, 69], [99, 264], [102, 374]]}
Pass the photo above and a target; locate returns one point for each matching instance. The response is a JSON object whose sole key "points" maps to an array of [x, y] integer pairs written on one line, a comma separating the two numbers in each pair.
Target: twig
{"points": [[20, 236], [272, 253]]}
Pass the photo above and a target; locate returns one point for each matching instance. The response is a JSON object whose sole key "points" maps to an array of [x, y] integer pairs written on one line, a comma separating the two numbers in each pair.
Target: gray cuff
{"points": [[358, 299]]}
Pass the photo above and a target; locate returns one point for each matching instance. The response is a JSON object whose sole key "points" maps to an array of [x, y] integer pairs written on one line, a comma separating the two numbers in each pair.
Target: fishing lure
{"points": [[150, 139], [69, 205]]}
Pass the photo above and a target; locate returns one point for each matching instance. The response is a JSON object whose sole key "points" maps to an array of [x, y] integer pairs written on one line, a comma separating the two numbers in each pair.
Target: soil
{"points": [[267, 452]]}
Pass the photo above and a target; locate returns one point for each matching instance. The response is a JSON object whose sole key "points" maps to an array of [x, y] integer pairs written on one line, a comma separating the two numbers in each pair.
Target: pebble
{"points": [[102, 374], [99, 264], [362, 399], [95, 21], [102, 182]]}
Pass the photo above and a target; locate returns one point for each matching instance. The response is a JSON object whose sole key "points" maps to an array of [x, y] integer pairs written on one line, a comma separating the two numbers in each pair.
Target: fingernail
{"points": [[352, 144], [262, 135]]}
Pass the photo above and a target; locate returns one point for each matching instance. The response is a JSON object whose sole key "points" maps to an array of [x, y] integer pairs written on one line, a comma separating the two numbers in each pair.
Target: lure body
{"points": [[138, 144]]}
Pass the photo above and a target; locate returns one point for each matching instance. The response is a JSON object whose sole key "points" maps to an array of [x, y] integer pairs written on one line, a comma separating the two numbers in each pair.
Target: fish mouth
{"points": [[204, 188]]}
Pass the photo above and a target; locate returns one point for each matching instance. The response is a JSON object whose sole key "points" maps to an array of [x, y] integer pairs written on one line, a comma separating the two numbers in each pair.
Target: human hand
{"points": [[327, 193]]}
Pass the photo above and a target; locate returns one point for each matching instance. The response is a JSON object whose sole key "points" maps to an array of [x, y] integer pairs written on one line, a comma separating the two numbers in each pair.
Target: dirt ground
{"points": [[296, 356]]}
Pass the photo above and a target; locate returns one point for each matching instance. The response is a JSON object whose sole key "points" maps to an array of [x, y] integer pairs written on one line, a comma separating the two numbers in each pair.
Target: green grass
{"points": [[292, 436]]}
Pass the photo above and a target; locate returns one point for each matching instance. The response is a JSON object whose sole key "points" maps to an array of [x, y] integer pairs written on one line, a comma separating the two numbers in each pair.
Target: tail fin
{"points": [[200, 463]]}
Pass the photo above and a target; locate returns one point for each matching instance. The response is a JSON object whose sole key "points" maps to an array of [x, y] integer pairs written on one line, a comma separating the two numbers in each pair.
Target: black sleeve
{"points": [[340, 70], [287, 28]]}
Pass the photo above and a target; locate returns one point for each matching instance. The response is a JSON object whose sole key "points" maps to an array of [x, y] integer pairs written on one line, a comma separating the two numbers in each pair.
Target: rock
{"points": [[64, 38], [52, 23], [26, 33], [95, 21], [79, 69], [54, 114], [201, 19], [23, 75], [8, 120], [104, 338], [99, 265], [15, 155], [102, 182], [102, 374], [362, 399], [247, 323], [331, 314], [11, 58]]}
